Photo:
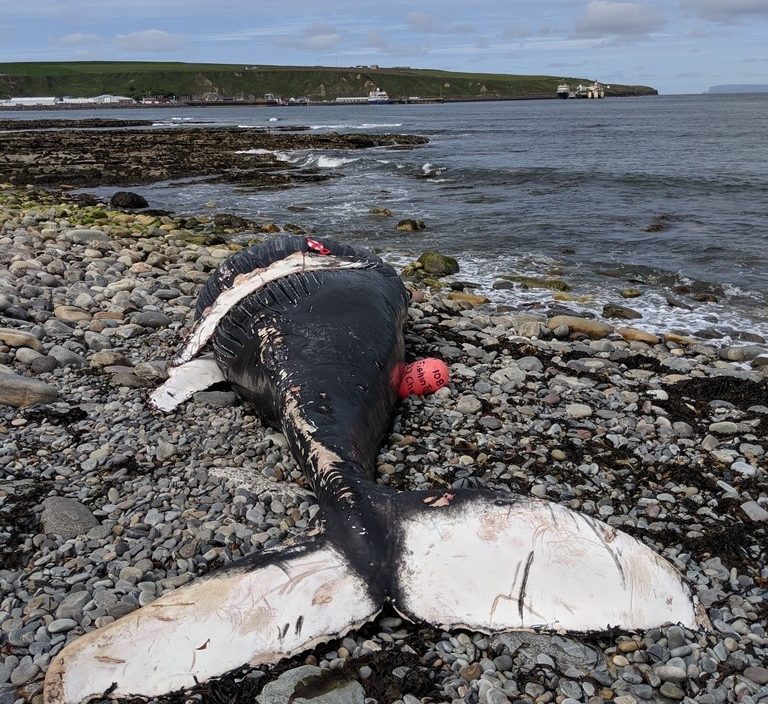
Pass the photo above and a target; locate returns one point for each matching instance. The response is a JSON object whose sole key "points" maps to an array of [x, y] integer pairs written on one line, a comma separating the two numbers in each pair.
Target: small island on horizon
{"points": [[739, 88], [138, 81]]}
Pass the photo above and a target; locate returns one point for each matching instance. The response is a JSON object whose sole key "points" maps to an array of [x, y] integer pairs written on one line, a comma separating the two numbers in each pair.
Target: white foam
{"points": [[658, 315], [332, 162], [375, 125], [429, 169], [280, 156]]}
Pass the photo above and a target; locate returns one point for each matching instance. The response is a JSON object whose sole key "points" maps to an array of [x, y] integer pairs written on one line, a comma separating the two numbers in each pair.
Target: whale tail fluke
{"points": [[255, 611], [479, 560], [489, 561]]}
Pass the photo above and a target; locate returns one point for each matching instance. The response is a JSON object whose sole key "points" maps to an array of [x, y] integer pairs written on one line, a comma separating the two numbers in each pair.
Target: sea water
{"points": [[650, 193]]}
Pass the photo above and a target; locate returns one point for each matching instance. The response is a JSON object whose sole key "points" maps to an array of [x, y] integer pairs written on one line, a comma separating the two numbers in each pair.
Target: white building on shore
{"points": [[27, 102], [106, 99]]}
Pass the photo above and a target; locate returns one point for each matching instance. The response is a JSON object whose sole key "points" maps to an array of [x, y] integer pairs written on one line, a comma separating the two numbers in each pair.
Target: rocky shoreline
{"points": [[106, 504], [125, 157]]}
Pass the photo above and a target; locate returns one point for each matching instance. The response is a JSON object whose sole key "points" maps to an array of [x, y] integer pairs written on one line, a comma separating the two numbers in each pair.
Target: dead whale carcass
{"points": [[311, 333]]}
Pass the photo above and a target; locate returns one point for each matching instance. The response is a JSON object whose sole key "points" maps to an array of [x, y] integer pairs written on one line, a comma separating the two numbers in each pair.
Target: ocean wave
{"points": [[429, 169], [329, 162], [349, 126], [721, 321], [374, 125]]}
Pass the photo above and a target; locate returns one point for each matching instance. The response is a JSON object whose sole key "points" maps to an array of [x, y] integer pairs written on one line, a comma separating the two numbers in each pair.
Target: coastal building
{"points": [[46, 101], [105, 99], [28, 102]]}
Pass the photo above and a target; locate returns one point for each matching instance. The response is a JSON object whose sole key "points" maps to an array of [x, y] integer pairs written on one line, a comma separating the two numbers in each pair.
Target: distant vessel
{"points": [[594, 90], [563, 90], [378, 96]]}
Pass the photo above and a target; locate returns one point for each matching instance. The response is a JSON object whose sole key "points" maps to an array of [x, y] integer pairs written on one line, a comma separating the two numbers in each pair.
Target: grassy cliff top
{"points": [[241, 81]]}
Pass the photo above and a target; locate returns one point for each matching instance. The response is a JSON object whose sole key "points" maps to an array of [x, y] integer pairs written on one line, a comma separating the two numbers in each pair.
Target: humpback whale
{"points": [[311, 333]]}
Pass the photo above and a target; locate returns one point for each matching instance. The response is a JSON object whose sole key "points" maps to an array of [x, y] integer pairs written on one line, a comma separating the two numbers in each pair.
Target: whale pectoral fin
{"points": [[185, 380], [256, 611], [487, 562]]}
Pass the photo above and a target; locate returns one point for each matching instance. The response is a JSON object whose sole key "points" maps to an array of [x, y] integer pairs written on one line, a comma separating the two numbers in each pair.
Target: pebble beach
{"points": [[106, 504]]}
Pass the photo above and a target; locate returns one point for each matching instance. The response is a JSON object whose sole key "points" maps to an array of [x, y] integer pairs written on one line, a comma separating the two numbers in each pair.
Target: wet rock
{"points": [[630, 293], [678, 339], [230, 222], [612, 310], [470, 298], [536, 282], [384, 212], [66, 517], [409, 225], [20, 391], [438, 264], [592, 328], [128, 199], [741, 354], [635, 335]]}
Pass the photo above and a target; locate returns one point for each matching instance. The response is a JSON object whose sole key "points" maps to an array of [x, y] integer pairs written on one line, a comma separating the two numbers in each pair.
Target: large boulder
{"points": [[230, 222], [66, 517], [411, 225], [20, 391], [613, 310], [129, 200], [290, 686], [592, 328], [438, 264]]}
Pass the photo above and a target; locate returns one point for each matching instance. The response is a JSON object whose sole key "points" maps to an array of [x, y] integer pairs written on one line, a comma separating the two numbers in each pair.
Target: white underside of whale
{"points": [[250, 282], [187, 375], [213, 626], [532, 564]]}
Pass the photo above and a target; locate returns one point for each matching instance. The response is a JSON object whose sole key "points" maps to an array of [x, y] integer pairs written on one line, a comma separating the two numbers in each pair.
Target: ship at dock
{"points": [[375, 97], [592, 91]]}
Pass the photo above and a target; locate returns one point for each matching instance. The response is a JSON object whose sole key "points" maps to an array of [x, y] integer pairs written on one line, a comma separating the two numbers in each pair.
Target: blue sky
{"points": [[677, 46]]}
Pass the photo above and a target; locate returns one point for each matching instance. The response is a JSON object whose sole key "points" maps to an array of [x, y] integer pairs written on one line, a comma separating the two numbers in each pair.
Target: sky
{"points": [[676, 46]]}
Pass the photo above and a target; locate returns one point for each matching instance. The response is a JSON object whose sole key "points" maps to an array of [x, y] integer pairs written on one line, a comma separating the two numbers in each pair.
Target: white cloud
{"points": [[80, 39], [422, 22], [149, 40], [516, 31], [608, 19], [317, 36], [726, 10]]}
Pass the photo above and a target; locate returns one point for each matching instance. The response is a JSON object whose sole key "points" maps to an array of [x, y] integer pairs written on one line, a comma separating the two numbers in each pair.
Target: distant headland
{"points": [[740, 88], [159, 82]]}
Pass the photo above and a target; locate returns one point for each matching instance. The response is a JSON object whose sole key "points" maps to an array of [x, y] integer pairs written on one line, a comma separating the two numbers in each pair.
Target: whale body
{"points": [[311, 333]]}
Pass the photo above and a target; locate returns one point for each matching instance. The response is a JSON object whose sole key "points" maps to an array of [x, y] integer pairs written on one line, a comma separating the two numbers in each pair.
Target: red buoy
{"points": [[423, 377]]}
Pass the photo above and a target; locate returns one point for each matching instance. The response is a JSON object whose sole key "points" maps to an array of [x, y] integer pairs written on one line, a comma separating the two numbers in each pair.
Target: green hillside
{"points": [[207, 81]]}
